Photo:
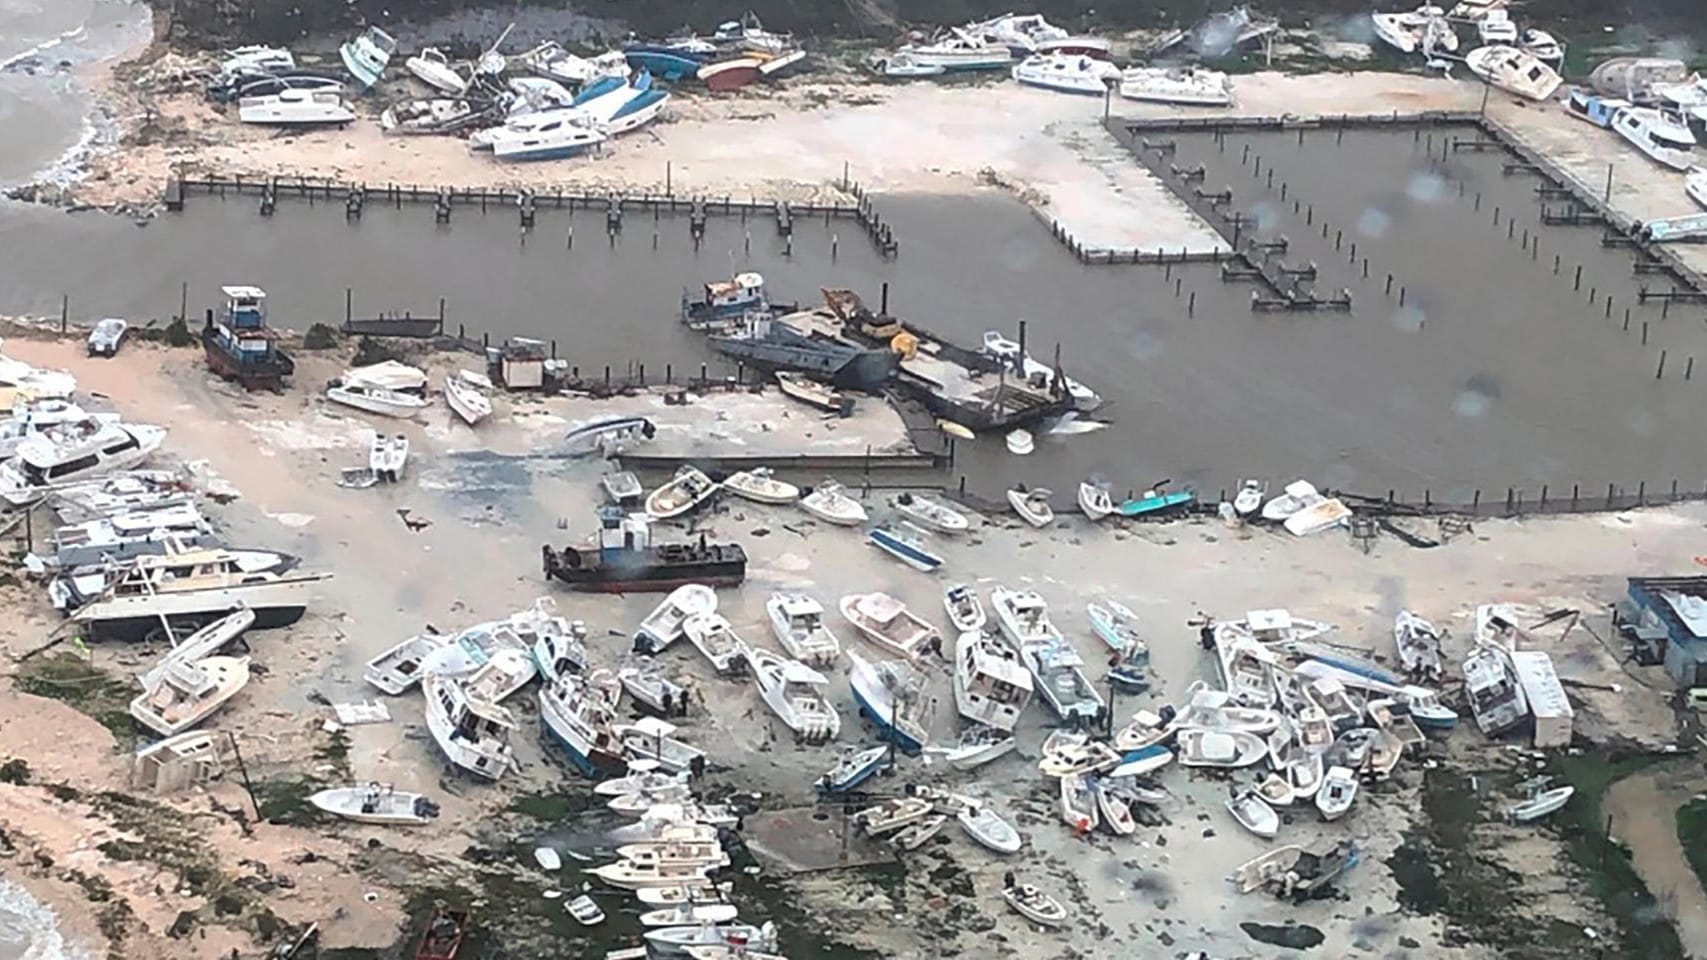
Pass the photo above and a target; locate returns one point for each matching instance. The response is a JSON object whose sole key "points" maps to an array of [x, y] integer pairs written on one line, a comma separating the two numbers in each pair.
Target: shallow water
{"points": [[27, 929]]}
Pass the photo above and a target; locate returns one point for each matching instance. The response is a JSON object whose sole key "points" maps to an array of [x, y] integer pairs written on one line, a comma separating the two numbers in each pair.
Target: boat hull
{"points": [[919, 559], [102, 623], [652, 570], [593, 763], [879, 716]]}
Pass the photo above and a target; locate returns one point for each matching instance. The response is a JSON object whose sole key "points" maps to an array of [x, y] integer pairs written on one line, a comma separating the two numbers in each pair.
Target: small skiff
{"points": [[1035, 905], [829, 503], [892, 815], [650, 739], [797, 621], [906, 543], [466, 400], [930, 512], [714, 637], [917, 834], [1215, 748], [1116, 812], [700, 892], [398, 669], [1095, 501], [375, 804], [760, 486], [1339, 789], [1298, 495], [585, 911], [978, 746], [1136, 763], [387, 456], [652, 691], [1020, 442], [989, 829], [1032, 506], [621, 488], [1250, 496], [965, 610], [1114, 624], [644, 778], [1155, 501], [690, 915], [686, 490], [853, 769], [1079, 804], [1276, 791], [1539, 805], [1254, 814], [811, 392]]}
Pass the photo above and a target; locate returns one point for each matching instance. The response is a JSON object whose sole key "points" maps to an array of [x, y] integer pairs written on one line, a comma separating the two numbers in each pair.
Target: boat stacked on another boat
{"points": [[663, 626], [1056, 668], [991, 685]]}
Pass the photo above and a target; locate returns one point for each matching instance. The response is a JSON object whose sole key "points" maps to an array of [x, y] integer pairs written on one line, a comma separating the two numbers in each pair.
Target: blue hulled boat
{"points": [[664, 60], [1155, 503]]}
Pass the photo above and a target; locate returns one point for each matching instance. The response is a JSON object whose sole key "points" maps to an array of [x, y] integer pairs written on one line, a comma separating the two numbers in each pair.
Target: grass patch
{"points": [[551, 807], [285, 799], [69, 678], [1692, 835]]}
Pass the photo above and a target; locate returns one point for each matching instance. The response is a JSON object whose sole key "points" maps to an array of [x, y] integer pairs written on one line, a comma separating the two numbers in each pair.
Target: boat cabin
{"points": [[1651, 129], [993, 673], [240, 346], [1585, 105], [519, 364], [621, 532], [802, 613]]}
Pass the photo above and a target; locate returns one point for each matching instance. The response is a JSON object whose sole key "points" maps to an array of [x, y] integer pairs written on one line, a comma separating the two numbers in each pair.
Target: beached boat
{"points": [[707, 941], [663, 626], [1094, 500], [891, 815], [797, 621], [472, 733], [1067, 73], [887, 622], [399, 668], [902, 65], [1155, 501], [688, 489], [1663, 139], [650, 738], [296, 107], [185, 693], [988, 828], [180, 591], [53, 461], [375, 804], [622, 488], [585, 911], [371, 398], [367, 55], [1187, 86], [1020, 33], [630, 875], [717, 641], [1114, 625], [813, 393], [828, 501], [642, 777], [892, 696], [1635, 78], [1023, 616], [853, 769], [1514, 71], [607, 436], [920, 832], [1116, 810], [1078, 804], [761, 486], [930, 512], [1254, 814], [557, 138], [726, 76], [1068, 754], [651, 690], [906, 543], [430, 116], [198, 646], [991, 685], [699, 892], [1130, 672], [794, 692], [1058, 676], [1215, 748], [956, 51], [1539, 804], [39, 416], [977, 746], [965, 610], [1032, 505], [690, 915], [387, 456], [125, 536], [1035, 905], [1491, 687], [1419, 645], [1339, 789], [466, 400], [434, 69]]}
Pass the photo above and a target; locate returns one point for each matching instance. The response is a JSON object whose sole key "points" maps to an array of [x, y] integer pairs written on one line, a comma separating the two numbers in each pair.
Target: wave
{"points": [[74, 34], [31, 925]]}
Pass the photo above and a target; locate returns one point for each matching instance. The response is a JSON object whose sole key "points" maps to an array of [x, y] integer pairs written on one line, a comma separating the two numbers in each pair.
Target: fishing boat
{"points": [[1250, 497], [1419, 645], [892, 697], [663, 626], [707, 941], [466, 400], [1339, 789], [891, 815], [906, 543], [991, 685], [1514, 71], [585, 911], [956, 51], [727, 76], [853, 769], [1663, 139], [1114, 625], [930, 512], [717, 641], [1115, 809], [794, 692], [367, 55], [797, 621], [920, 832], [127, 535], [1635, 78], [642, 777], [505, 672], [888, 623], [434, 69], [1032, 505], [375, 804], [49, 462], [829, 502], [627, 560], [813, 393], [1155, 501], [1215, 748], [1254, 814], [1078, 804], [902, 64], [399, 668], [760, 486], [1490, 686], [688, 489], [1059, 677], [965, 610], [650, 738], [690, 914], [607, 436], [473, 733], [977, 746], [988, 828], [239, 346], [629, 875], [375, 399], [1539, 804], [622, 488], [1023, 616], [653, 692], [1184, 85], [1035, 905], [186, 693], [1094, 500], [1067, 73], [578, 716]]}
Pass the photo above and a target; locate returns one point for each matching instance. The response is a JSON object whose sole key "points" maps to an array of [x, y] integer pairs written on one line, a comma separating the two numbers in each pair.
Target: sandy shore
{"points": [[491, 501]]}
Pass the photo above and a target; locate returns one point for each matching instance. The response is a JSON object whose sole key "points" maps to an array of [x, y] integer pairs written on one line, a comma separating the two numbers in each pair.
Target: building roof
{"points": [[1679, 602]]}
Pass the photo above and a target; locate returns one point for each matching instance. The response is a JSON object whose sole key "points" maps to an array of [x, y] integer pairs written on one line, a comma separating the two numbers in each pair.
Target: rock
{"points": [[1408, 943]]}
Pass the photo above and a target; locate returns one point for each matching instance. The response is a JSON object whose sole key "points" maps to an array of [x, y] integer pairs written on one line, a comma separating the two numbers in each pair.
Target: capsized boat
{"points": [[387, 456], [1250, 496], [466, 400], [797, 621], [930, 512], [1155, 501], [906, 543], [375, 804], [585, 911], [965, 610], [366, 56], [434, 69], [892, 696]]}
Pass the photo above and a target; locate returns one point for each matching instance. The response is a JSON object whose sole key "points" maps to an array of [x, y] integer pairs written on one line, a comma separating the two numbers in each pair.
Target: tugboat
{"points": [[728, 300], [240, 347], [628, 561]]}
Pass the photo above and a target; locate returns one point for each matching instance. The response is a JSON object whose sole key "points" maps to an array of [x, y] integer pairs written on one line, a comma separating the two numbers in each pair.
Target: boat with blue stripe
{"points": [[891, 696], [904, 542], [851, 771], [670, 63]]}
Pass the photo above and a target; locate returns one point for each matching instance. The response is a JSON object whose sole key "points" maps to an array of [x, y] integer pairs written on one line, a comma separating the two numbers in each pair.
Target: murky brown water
{"points": [[1643, 810]]}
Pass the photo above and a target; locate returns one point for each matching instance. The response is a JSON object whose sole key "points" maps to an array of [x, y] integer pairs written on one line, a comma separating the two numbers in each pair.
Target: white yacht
{"points": [[38, 416], [553, 140], [1187, 86], [434, 69], [375, 399], [1665, 140], [1023, 616], [795, 692], [1067, 73], [1424, 29], [294, 107], [1020, 33], [72, 453], [192, 588], [991, 686], [474, 733], [958, 50], [1514, 71], [797, 621], [75, 586]]}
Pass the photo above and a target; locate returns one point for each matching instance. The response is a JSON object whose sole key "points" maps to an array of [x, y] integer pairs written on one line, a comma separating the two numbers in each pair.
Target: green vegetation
{"points": [[1692, 836], [320, 337], [73, 680], [285, 799]]}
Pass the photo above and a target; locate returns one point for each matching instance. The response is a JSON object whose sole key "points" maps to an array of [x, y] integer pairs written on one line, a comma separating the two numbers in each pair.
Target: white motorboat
{"points": [[1032, 505], [40, 416], [699, 892], [1146, 729], [652, 690], [293, 107], [370, 398], [1254, 814], [399, 668], [642, 777], [1541, 45], [1695, 185], [1497, 28], [1419, 645], [829, 502], [1185, 86], [716, 640], [473, 733], [1663, 139], [1075, 754], [690, 914], [185, 590], [1514, 71], [891, 815], [1339, 789], [813, 393], [663, 626], [1115, 625], [585, 911], [965, 610], [1067, 73], [1297, 495], [991, 685], [607, 436], [375, 804], [650, 738], [688, 489], [1035, 905], [1023, 616], [760, 485], [902, 64], [988, 828], [918, 833], [1540, 804], [628, 875], [797, 621], [1059, 677], [1116, 810], [1215, 748], [1250, 497], [367, 55], [1490, 685], [50, 461], [387, 456], [554, 138], [204, 643], [622, 488], [578, 714], [260, 57], [551, 61], [930, 512], [853, 769], [663, 852], [906, 543], [724, 942], [466, 400], [127, 535], [795, 692], [1020, 33], [1636, 78], [887, 622], [956, 51], [977, 746], [79, 585], [892, 696], [1078, 803], [434, 69], [186, 693], [1423, 30], [1094, 500], [505, 672]]}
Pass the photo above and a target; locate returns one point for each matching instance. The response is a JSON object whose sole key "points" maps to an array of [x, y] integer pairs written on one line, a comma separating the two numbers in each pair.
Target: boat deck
{"points": [[950, 381], [795, 840]]}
